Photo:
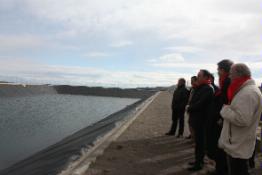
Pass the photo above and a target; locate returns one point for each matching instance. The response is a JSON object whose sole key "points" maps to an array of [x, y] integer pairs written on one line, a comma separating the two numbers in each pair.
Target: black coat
{"points": [[200, 105], [180, 98], [219, 101], [215, 121]]}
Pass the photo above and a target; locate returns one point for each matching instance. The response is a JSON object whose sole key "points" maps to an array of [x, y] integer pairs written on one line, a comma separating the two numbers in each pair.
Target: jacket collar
{"points": [[247, 83]]}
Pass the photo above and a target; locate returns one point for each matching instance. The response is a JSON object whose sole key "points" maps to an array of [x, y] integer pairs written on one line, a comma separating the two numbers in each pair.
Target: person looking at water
{"points": [[192, 90], [180, 98], [214, 86], [241, 117], [215, 121], [198, 108]]}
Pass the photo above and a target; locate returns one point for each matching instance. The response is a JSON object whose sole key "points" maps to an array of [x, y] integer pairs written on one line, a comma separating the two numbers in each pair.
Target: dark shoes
{"points": [[195, 167]]}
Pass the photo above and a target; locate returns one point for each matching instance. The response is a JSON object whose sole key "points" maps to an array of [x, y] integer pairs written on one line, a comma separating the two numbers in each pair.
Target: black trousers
{"points": [[214, 152], [177, 117], [199, 143], [252, 159], [221, 162], [237, 166]]}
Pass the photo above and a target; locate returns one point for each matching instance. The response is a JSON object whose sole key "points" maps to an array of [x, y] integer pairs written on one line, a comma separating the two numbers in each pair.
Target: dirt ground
{"points": [[143, 149]]}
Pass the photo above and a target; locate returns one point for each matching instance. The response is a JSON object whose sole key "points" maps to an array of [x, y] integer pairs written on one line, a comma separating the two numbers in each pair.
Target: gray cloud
{"points": [[202, 32]]}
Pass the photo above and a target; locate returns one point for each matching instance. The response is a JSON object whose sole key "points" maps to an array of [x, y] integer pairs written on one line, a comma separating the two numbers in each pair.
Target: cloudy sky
{"points": [[125, 43]]}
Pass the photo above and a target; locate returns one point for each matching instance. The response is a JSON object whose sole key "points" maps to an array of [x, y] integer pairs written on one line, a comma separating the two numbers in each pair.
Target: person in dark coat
{"points": [[198, 110], [215, 121], [214, 86], [180, 98], [191, 93]]}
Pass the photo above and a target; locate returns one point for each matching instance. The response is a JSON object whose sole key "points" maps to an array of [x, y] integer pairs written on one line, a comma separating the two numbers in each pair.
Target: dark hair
{"points": [[206, 73], [212, 77], [182, 80], [225, 65], [194, 78]]}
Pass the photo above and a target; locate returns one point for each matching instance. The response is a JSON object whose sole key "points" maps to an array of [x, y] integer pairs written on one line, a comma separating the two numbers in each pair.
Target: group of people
{"points": [[222, 119]]}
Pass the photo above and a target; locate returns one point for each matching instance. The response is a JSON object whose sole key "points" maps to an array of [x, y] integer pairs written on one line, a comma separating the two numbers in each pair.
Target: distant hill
{"points": [[13, 90], [110, 92], [4, 82]]}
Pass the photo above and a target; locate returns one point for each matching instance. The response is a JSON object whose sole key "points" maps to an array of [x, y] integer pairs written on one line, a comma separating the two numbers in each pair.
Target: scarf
{"points": [[221, 84], [235, 86], [194, 86], [222, 80]]}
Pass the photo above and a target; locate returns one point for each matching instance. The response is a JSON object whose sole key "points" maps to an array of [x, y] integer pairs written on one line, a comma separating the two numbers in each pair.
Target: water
{"points": [[30, 124]]}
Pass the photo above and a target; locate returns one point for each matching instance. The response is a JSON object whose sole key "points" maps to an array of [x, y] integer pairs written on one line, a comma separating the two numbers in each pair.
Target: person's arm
{"points": [[240, 112], [203, 100], [173, 101], [184, 99]]}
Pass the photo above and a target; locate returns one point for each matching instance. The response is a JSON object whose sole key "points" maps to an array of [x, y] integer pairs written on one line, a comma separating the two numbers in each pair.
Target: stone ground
{"points": [[143, 149]]}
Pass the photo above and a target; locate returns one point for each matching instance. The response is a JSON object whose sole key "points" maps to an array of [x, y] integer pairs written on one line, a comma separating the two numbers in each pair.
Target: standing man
{"points": [[198, 110], [192, 90], [215, 121], [212, 79], [180, 98], [241, 118]]}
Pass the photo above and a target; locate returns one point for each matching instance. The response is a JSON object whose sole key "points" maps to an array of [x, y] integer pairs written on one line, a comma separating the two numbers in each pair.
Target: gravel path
{"points": [[143, 149]]}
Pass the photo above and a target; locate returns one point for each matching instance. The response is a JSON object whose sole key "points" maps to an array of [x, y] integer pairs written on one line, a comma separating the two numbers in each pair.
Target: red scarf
{"points": [[222, 80], [194, 86], [221, 83], [235, 86]]}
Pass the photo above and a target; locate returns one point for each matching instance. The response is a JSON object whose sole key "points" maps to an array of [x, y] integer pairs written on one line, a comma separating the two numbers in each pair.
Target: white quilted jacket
{"points": [[241, 118]]}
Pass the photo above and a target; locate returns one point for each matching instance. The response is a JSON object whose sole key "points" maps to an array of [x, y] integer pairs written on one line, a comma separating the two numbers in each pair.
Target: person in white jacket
{"points": [[241, 117]]}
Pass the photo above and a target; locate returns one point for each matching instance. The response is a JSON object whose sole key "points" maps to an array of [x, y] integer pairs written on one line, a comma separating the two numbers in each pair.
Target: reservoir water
{"points": [[30, 124]]}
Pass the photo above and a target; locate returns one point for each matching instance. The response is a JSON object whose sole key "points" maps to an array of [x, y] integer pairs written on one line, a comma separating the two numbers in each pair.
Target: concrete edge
{"points": [[81, 165]]}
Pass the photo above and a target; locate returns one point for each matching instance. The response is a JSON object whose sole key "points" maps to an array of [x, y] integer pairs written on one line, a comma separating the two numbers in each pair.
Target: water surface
{"points": [[30, 124]]}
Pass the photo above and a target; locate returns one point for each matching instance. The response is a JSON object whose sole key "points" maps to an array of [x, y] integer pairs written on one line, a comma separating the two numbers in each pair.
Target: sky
{"points": [[119, 43]]}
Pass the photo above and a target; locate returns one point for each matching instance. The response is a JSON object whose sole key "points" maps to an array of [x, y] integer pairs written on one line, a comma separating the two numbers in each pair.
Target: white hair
{"points": [[241, 70]]}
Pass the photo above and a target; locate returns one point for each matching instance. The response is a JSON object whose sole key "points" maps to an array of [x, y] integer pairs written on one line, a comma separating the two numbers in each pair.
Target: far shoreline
{"points": [[16, 90]]}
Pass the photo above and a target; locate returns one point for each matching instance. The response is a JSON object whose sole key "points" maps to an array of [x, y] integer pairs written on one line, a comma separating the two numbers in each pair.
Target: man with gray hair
{"points": [[241, 117]]}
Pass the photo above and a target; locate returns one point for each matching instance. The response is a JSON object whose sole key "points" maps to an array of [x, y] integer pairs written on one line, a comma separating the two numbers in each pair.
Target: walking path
{"points": [[143, 149]]}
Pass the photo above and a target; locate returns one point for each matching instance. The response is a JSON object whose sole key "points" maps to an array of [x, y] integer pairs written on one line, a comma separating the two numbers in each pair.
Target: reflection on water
{"points": [[30, 124]]}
